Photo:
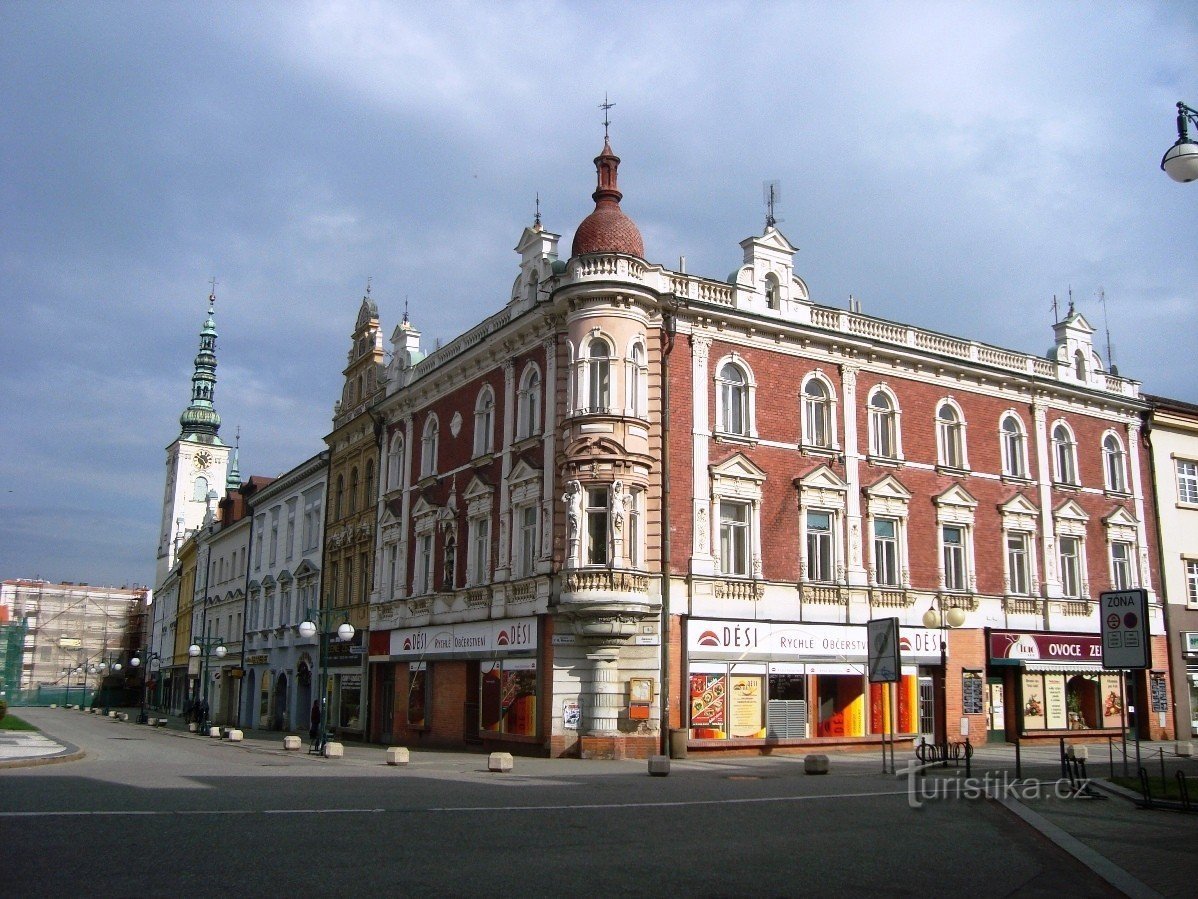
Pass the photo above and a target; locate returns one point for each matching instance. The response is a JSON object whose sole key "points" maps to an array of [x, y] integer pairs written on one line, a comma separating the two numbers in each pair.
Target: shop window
{"points": [[821, 553], [508, 697], [840, 705], [1014, 448], [817, 414], [1061, 701], [1113, 464], [597, 526], [734, 538], [886, 552], [1070, 556], [1121, 555], [708, 696], [349, 701], [1187, 481], [418, 694], [953, 548], [883, 426]]}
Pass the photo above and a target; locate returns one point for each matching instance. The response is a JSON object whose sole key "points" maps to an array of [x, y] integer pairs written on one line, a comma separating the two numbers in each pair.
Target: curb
{"points": [[74, 756]]}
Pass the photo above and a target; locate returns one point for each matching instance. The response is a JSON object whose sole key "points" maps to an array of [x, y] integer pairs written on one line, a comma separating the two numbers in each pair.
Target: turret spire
{"points": [[199, 420], [233, 478]]}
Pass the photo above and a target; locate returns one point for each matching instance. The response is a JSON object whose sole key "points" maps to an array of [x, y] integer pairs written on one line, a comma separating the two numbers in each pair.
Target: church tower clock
{"points": [[197, 462]]}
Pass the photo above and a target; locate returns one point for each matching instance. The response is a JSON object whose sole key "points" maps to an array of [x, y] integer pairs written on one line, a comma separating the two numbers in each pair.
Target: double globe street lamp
{"points": [[943, 619], [345, 632], [1181, 160], [135, 662], [204, 648]]}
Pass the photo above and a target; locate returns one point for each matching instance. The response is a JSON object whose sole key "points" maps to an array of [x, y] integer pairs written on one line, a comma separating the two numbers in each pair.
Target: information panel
{"points": [[1126, 643]]}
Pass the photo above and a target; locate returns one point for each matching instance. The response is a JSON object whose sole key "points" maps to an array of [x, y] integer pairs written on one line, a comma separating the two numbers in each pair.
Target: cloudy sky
{"points": [[952, 165]]}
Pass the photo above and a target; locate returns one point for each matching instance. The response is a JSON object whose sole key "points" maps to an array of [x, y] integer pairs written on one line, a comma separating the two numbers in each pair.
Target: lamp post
{"points": [[135, 662], [1180, 161], [203, 648], [943, 619], [345, 632]]}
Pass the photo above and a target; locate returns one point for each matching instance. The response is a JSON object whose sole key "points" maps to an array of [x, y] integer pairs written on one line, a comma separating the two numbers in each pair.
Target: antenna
{"points": [[1056, 317], [1110, 352], [771, 195], [606, 106]]}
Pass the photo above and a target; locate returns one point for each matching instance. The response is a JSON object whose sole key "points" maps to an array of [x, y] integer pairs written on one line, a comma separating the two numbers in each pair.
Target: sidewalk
{"points": [[23, 748]]}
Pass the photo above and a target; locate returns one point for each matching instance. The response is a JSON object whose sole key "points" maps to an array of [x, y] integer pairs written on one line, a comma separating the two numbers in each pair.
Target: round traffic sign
{"points": [[1112, 620], [1131, 619]]}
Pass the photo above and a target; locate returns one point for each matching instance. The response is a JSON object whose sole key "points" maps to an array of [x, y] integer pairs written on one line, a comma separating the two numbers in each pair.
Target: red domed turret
{"points": [[607, 229]]}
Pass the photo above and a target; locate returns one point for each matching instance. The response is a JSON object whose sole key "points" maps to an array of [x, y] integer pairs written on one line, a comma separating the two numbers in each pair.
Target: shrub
{"points": [[3, 709]]}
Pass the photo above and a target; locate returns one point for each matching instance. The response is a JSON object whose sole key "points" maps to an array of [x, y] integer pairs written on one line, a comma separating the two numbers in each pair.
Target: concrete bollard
{"points": [[112, 714], [659, 765], [334, 751], [499, 761], [397, 755], [124, 716], [1185, 749], [214, 732], [1077, 752], [163, 722], [235, 736], [192, 726], [815, 764], [54, 705], [291, 743]]}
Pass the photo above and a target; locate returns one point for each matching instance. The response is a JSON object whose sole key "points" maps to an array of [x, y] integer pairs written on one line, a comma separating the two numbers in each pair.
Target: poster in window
{"points": [[488, 700], [744, 711], [519, 698], [971, 693], [1056, 712], [1160, 698], [1112, 701], [707, 705], [1033, 702]]}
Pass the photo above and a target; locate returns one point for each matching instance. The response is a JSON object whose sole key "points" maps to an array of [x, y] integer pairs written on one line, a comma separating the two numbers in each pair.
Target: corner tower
{"points": [[197, 461]]}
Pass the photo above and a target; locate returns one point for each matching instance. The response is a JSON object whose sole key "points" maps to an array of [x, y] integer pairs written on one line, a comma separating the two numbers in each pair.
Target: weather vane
{"points": [[212, 284], [537, 218], [605, 106]]}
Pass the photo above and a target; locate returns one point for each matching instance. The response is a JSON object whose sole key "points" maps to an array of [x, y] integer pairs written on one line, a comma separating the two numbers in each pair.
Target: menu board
{"points": [[1160, 697], [1056, 713], [707, 702], [1112, 701], [744, 706], [971, 693], [1033, 702]]}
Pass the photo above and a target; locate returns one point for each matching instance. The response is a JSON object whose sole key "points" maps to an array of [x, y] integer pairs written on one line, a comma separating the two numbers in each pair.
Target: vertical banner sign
{"points": [[1123, 616], [884, 662]]}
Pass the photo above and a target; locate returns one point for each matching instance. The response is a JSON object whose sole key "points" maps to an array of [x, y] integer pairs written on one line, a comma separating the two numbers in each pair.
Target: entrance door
{"points": [[278, 718], [996, 721], [927, 709]]}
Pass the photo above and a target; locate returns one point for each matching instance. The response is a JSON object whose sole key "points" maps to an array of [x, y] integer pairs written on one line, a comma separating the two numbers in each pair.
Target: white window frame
{"points": [[527, 540], [743, 395], [818, 415], [596, 535], [597, 388], [1064, 454], [737, 480], [885, 433], [484, 422], [1026, 542], [478, 552], [395, 453], [951, 446], [888, 501], [736, 533], [634, 538], [1123, 570], [1187, 481], [429, 438], [1014, 446], [636, 379], [822, 491], [528, 404], [886, 565], [1071, 558], [954, 558], [1114, 463], [1191, 569], [813, 539]]}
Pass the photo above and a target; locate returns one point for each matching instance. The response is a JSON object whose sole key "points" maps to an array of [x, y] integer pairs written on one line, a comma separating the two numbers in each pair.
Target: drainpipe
{"points": [[670, 326]]}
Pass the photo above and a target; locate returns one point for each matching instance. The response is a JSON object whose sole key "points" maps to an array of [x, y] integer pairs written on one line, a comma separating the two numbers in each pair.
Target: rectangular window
{"points": [[418, 683], [954, 558], [819, 547], [1018, 573], [734, 538], [289, 546], [526, 519], [424, 564], [1187, 481], [508, 696], [886, 566], [1121, 566], [274, 535], [634, 528], [596, 550], [480, 550], [1192, 582], [1070, 567]]}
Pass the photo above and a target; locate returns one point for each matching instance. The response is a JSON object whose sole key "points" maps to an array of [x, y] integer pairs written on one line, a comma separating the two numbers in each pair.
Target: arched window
{"points": [[733, 407], [395, 463], [1113, 464], [1064, 452], [533, 282], [773, 292], [883, 426], [1014, 448], [1079, 365], [339, 504], [817, 414], [353, 490], [484, 419], [368, 496], [201, 490], [528, 418], [428, 447], [598, 375], [950, 436], [637, 375]]}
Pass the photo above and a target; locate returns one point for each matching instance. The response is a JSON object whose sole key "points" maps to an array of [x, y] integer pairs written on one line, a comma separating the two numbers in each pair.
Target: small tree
{"points": [[3, 709]]}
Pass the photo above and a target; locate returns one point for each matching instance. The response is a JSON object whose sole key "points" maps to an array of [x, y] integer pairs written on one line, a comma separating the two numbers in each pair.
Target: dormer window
{"points": [[1079, 365], [773, 292]]}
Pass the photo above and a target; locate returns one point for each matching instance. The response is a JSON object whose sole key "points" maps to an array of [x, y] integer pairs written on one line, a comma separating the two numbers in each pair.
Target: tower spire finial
{"points": [[199, 420], [536, 221], [606, 106]]}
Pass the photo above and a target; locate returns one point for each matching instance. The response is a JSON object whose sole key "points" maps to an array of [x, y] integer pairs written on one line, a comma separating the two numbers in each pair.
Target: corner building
{"points": [[635, 500]]}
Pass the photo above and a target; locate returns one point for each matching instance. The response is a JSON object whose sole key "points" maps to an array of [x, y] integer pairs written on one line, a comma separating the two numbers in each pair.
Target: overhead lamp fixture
{"points": [[1180, 161]]}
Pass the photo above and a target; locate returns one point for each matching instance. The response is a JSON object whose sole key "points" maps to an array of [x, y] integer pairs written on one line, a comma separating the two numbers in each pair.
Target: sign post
{"points": [[885, 667], [1126, 644]]}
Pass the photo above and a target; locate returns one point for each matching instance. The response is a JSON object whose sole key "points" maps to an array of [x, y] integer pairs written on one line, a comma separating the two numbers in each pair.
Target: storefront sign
{"points": [[1014, 647], [345, 652], [474, 638], [259, 659], [782, 640]]}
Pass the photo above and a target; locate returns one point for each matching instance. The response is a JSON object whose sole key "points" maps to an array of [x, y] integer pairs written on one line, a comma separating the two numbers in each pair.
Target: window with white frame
{"points": [[1114, 464], [422, 582], [821, 547], [1014, 447], [597, 518], [1187, 481], [734, 538], [528, 404], [1192, 582], [635, 538], [883, 426], [1071, 559], [479, 562], [952, 541], [1121, 565], [950, 436], [732, 411], [428, 447], [353, 490], [289, 541], [886, 552], [312, 508], [201, 490], [773, 292], [274, 535], [259, 527], [484, 421], [598, 369], [1064, 454], [817, 414], [395, 462], [1019, 577], [637, 380], [526, 541]]}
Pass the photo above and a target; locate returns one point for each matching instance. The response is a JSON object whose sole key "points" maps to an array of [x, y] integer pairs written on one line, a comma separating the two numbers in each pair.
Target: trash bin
{"points": [[678, 740]]}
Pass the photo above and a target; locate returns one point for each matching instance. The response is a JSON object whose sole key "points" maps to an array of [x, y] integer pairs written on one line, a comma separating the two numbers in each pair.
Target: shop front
{"points": [[344, 660], [752, 683], [454, 684], [1058, 685]]}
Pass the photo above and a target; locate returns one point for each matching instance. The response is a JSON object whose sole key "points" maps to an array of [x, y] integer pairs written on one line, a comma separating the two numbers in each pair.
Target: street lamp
{"points": [[345, 633], [943, 619], [1180, 161], [135, 662], [204, 647]]}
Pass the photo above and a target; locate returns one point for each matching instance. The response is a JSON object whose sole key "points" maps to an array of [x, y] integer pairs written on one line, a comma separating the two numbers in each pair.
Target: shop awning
{"points": [[1066, 667]]}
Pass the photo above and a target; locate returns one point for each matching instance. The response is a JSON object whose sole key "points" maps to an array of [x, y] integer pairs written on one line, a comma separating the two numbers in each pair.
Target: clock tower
{"points": [[197, 462]]}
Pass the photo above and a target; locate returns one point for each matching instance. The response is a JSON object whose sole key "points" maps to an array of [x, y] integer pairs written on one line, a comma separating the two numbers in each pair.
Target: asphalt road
{"points": [[152, 813]]}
